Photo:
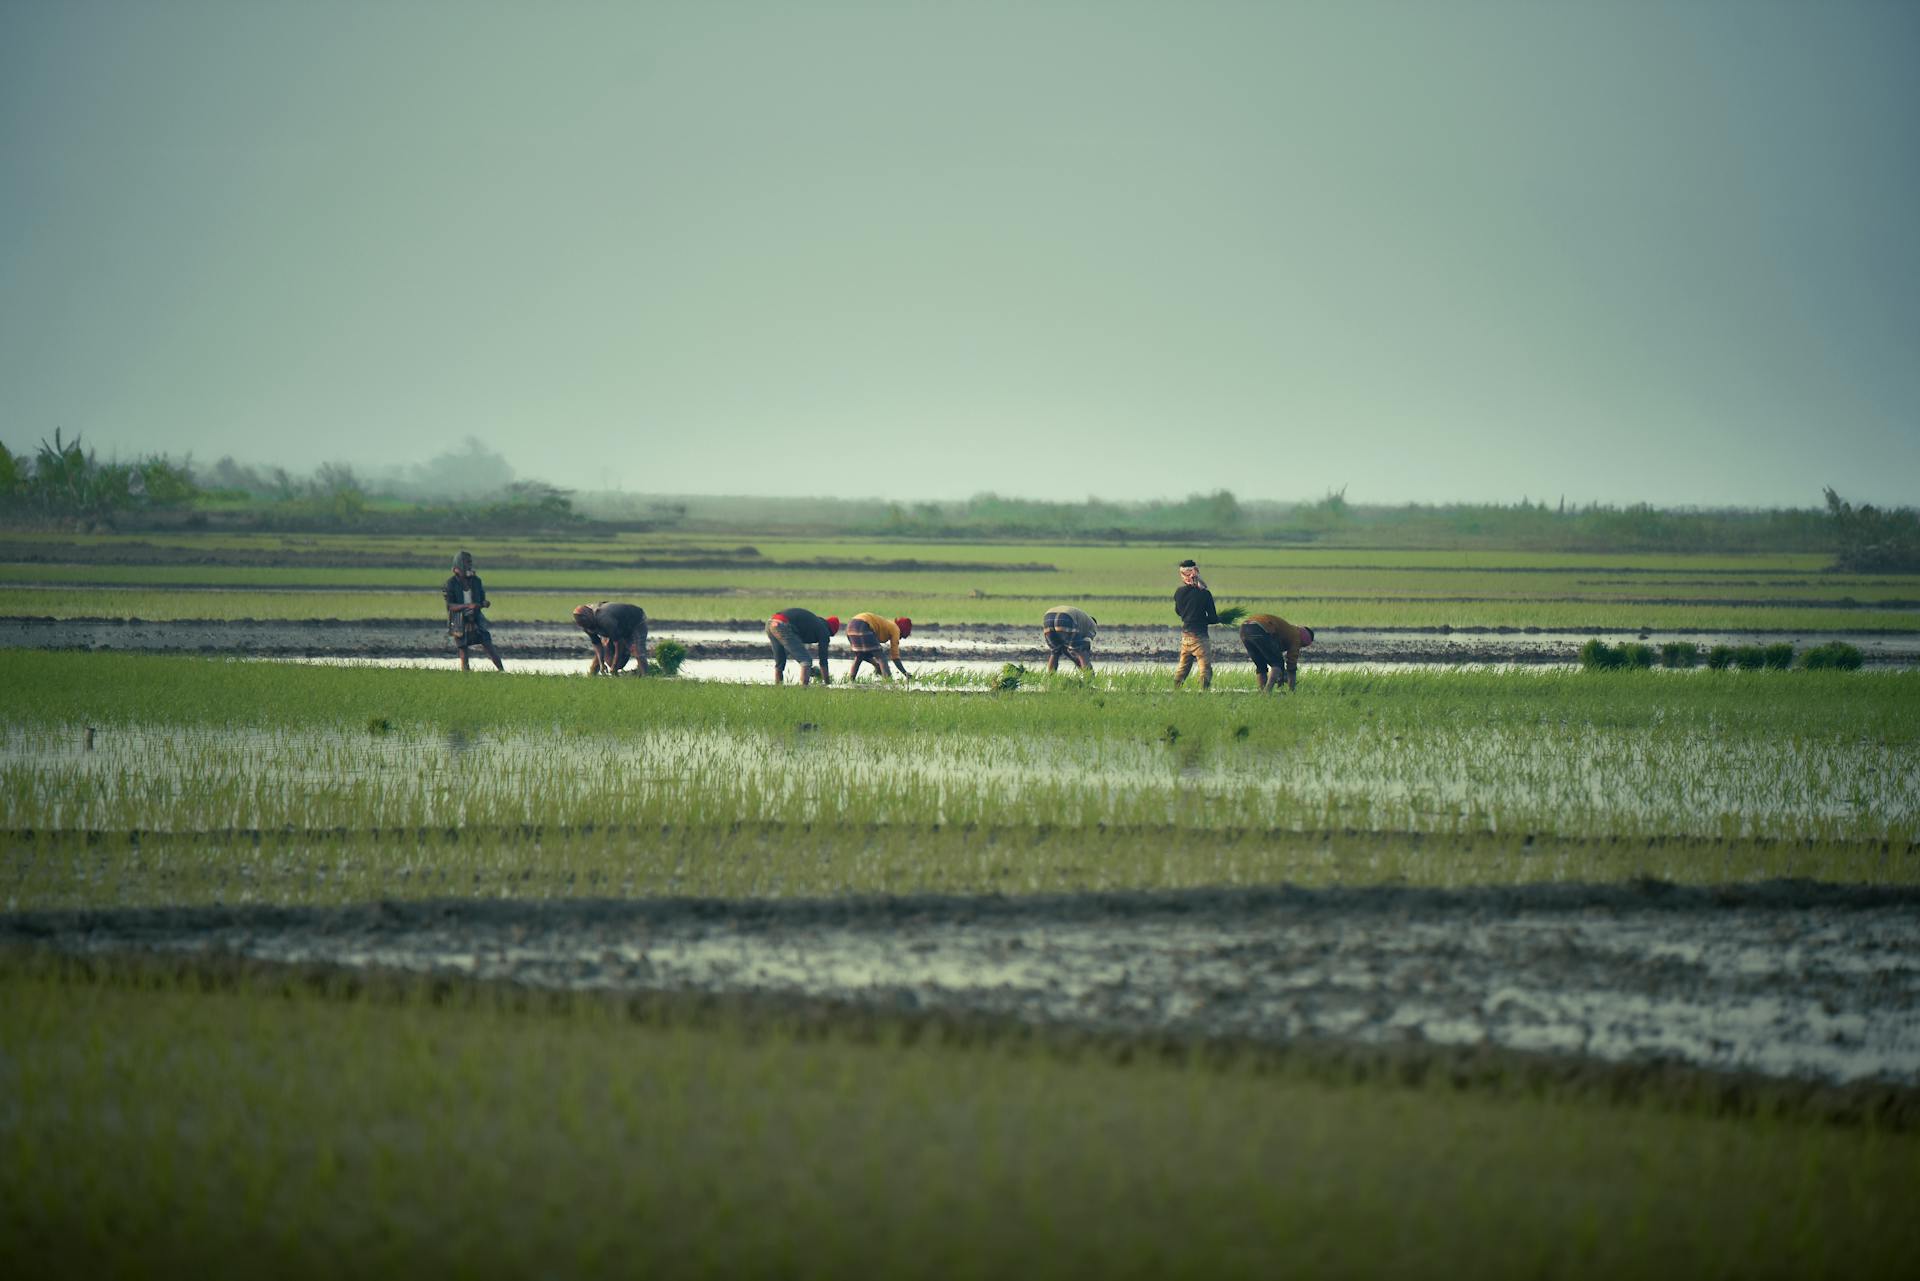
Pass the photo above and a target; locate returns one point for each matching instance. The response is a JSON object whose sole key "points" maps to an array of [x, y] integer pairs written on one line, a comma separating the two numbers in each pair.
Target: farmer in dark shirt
{"points": [[1194, 603], [790, 632], [1068, 630], [617, 632], [466, 597], [1274, 643]]}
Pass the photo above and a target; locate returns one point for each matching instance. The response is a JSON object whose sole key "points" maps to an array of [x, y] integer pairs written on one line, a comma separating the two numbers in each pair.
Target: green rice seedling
{"points": [[1835, 655], [1231, 615], [668, 655], [1010, 677], [379, 725], [1679, 654], [1634, 654], [1749, 658], [1720, 657], [1598, 656], [1778, 657]]}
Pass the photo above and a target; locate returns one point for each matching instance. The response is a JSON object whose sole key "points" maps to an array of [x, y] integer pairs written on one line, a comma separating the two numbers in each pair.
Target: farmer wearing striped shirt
{"points": [[617, 631], [1068, 631], [790, 632], [865, 635], [1274, 643]]}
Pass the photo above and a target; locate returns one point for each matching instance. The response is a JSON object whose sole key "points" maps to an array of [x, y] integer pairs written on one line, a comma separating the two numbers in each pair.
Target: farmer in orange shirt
{"points": [[1274, 643], [865, 635]]}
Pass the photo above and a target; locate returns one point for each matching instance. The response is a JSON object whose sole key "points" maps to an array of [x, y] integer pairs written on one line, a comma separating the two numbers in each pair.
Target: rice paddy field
{"points": [[1517, 972]]}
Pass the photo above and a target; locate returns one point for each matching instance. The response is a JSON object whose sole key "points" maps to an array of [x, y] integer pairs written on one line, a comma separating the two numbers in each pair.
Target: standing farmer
{"points": [[617, 632], [1194, 603], [865, 635], [790, 632], [1274, 643], [1068, 631], [466, 597]]}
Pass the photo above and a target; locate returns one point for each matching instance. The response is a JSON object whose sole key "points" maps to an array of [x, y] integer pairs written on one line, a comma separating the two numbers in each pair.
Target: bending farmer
{"points": [[1069, 632], [1194, 603], [617, 632], [1274, 644], [865, 635], [466, 597], [790, 632]]}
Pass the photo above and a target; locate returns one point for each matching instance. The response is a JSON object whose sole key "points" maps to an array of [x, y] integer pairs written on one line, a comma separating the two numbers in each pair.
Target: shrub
{"points": [[1778, 657], [668, 655], [1679, 654], [1720, 657], [1833, 654]]}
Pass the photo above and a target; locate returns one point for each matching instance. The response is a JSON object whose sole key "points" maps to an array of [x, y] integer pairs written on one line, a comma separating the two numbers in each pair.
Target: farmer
{"points": [[1068, 631], [1194, 603], [1274, 643], [617, 632], [865, 635], [466, 597], [790, 632]]}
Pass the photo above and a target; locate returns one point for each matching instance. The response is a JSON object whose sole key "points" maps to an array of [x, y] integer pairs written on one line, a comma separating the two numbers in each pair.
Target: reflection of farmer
{"points": [[866, 633], [1068, 631], [1194, 603], [790, 632], [466, 597], [1274, 643], [617, 632]]}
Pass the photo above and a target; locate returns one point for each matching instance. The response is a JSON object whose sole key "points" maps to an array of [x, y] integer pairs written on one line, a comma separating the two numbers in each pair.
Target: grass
{"points": [[227, 1128]]}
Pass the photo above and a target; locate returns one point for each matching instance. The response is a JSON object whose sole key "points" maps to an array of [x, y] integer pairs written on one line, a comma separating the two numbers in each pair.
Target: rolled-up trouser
{"points": [[866, 643], [1263, 647], [787, 644], [1195, 646]]}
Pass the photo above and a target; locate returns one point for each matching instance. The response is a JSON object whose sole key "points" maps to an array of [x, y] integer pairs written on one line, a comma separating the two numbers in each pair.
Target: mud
{"points": [[1789, 980], [741, 639]]}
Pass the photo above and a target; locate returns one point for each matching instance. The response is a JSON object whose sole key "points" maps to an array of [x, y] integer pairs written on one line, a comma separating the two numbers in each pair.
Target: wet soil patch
{"points": [[1787, 980]]}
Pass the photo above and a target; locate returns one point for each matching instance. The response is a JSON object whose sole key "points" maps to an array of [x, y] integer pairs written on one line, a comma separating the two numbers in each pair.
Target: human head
{"points": [[1188, 571], [463, 562], [1306, 637], [833, 625], [905, 625], [585, 616]]}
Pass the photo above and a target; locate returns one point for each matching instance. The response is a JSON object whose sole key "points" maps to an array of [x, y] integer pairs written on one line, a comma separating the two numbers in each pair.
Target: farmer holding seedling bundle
{"points": [[466, 597], [1194, 603], [1265, 636], [790, 632], [865, 634], [617, 632], [1068, 631]]}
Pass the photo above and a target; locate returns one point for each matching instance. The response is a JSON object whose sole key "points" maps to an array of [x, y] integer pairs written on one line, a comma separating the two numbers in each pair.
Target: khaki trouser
{"points": [[1192, 647]]}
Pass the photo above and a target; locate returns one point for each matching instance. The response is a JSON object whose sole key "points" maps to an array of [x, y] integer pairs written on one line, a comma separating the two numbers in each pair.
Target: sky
{"points": [[1424, 252]]}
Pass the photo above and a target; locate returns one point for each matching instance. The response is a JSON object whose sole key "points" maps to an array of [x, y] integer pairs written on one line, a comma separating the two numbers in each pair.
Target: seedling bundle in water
{"points": [[668, 655]]}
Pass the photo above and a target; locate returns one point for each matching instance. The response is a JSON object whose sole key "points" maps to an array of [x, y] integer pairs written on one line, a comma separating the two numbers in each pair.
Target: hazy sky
{"points": [[1618, 251]]}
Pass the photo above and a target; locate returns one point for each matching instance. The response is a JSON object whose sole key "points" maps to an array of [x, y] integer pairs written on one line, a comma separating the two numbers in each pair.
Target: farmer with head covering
{"points": [[466, 597], [790, 632], [867, 633], [1194, 604], [1274, 643], [617, 631], [1068, 631]]}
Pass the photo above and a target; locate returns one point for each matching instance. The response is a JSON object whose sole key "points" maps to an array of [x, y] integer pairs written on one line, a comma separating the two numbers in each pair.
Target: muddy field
{"points": [[932, 642], [1790, 980]]}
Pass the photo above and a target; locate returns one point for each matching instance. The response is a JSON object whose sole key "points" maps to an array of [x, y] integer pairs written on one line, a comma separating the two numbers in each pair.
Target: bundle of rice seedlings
{"points": [[1749, 658], [1679, 654], [1011, 674], [1634, 654], [1778, 657], [668, 655], [1837, 655], [1598, 656], [1720, 657], [1231, 615]]}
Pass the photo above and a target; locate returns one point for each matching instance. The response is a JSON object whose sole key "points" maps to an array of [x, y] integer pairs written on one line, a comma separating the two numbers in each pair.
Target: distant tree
{"points": [[1869, 540]]}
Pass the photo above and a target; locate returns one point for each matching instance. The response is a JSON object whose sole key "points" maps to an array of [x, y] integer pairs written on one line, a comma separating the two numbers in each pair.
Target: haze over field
{"points": [[1460, 252]]}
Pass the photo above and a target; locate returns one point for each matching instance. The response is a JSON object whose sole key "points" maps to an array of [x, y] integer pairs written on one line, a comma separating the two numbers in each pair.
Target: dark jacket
{"points": [[465, 625], [621, 622], [1195, 606], [810, 628]]}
